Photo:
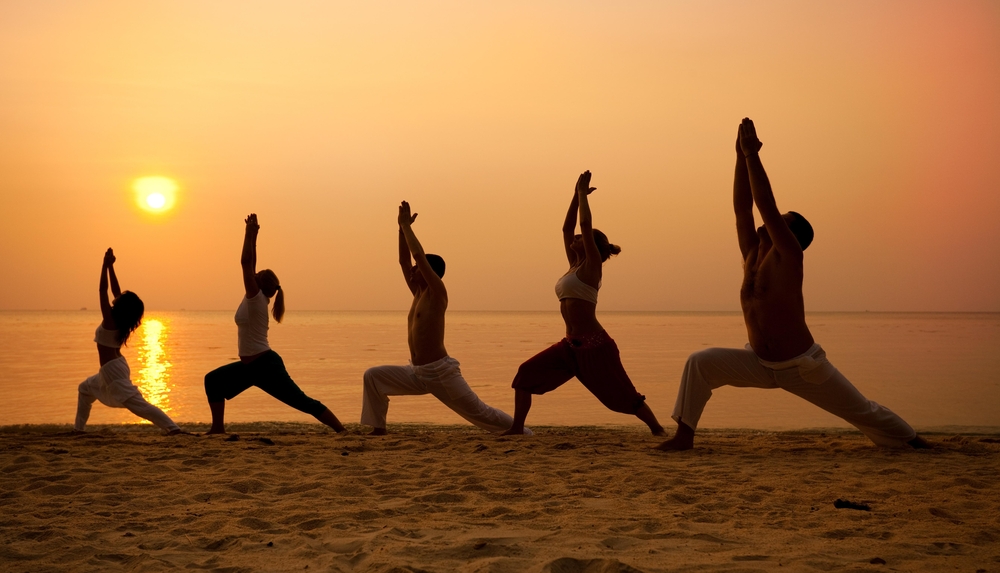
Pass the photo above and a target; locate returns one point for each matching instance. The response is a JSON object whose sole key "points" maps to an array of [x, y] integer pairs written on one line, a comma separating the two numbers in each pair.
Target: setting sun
{"points": [[155, 194]]}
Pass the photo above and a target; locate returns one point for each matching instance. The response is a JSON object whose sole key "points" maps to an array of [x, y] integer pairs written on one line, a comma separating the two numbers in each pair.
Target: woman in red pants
{"points": [[587, 352]]}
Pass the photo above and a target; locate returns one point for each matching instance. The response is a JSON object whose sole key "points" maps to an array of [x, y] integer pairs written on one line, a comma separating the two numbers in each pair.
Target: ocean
{"points": [[937, 370]]}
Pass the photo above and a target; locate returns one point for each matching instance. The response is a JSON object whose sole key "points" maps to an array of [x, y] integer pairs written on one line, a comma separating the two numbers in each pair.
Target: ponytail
{"points": [[278, 310], [269, 285]]}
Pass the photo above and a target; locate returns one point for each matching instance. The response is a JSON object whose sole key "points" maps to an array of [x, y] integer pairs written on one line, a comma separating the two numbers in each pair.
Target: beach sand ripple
{"points": [[293, 497]]}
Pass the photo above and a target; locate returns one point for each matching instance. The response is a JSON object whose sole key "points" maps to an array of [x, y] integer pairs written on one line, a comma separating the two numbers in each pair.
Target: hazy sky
{"points": [[880, 123]]}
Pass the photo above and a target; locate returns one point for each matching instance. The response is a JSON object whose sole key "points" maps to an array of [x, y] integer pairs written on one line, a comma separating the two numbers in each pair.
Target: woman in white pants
{"points": [[112, 384]]}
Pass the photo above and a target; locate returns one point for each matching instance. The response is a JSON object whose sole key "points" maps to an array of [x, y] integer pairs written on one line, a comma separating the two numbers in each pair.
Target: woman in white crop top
{"points": [[587, 352], [112, 385], [258, 365]]}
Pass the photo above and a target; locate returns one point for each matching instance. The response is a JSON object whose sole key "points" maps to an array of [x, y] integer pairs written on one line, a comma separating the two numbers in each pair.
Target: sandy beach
{"points": [[291, 497]]}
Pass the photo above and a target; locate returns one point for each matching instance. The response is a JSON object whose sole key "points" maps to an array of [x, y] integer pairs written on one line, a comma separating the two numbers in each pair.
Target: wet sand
{"points": [[292, 497]]}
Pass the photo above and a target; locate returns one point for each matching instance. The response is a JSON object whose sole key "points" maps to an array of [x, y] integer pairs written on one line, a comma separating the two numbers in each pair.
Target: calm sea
{"points": [[936, 370]]}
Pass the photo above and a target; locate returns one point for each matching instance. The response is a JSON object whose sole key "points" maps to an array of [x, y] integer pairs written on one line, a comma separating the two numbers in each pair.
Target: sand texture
{"points": [[292, 497]]}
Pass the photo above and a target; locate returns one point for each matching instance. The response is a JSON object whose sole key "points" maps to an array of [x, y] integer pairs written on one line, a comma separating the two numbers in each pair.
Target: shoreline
{"points": [[436, 498], [354, 429]]}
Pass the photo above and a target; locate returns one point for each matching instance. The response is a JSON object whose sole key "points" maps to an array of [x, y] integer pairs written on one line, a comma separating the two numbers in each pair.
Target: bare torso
{"points": [[106, 354], [580, 317], [425, 325], [773, 307]]}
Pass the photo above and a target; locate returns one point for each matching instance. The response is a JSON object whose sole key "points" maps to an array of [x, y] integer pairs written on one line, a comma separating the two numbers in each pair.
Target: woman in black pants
{"points": [[259, 365]]}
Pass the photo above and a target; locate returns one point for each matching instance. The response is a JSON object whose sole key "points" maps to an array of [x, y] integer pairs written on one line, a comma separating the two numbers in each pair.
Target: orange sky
{"points": [[880, 122]]}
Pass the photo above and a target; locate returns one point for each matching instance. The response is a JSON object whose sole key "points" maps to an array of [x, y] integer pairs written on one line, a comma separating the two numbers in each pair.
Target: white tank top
{"points": [[570, 286], [106, 337], [251, 325]]}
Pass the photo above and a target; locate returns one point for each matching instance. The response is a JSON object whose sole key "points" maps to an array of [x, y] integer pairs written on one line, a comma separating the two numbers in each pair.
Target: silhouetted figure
{"points": [[112, 385], [259, 365], [587, 352], [431, 370], [781, 352]]}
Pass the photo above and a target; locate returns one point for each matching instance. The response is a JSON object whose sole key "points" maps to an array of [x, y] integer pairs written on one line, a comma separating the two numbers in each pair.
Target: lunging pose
{"points": [[258, 365], [112, 385], [782, 352], [431, 370], [587, 352]]}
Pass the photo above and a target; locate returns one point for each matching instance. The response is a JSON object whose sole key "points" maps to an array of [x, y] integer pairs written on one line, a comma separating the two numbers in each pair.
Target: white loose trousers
{"points": [[442, 378], [809, 376], [112, 385]]}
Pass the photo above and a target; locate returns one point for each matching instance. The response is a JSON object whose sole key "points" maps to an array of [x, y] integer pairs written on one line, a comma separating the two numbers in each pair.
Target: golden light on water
{"points": [[154, 364], [155, 194]]}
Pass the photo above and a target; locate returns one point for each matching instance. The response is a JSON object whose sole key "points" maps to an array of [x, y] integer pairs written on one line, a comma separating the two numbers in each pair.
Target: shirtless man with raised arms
{"points": [[782, 352], [431, 370]]}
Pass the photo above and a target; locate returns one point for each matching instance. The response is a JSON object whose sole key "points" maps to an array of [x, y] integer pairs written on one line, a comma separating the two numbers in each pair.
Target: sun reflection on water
{"points": [[154, 366]]}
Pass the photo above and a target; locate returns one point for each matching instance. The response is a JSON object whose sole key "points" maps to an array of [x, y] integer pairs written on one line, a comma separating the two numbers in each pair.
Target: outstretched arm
{"points": [[107, 321], [434, 282], [746, 229], [569, 229], [781, 236], [590, 272], [248, 260], [404, 258], [116, 291]]}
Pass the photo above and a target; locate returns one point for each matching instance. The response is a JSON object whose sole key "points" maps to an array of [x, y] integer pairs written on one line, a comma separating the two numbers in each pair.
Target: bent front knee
{"points": [[370, 379], [708, 356], [701, 356], [214, 388]]}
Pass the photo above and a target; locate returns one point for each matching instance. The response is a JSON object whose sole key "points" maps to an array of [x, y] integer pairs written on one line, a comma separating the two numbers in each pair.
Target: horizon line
{"points": [[553, 311]]}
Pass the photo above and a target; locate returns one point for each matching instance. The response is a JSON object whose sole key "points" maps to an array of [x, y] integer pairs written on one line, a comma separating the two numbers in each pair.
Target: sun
{"points": [[155, 193]]}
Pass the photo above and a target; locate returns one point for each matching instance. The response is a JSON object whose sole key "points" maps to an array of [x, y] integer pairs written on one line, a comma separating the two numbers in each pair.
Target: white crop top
{"points": [[251, 325], [570, 286], [106, 337]]}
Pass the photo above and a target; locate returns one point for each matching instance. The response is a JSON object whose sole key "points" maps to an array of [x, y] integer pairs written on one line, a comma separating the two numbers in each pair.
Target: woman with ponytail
{"points": [[587, 352], [112, 384], [258, 365]]}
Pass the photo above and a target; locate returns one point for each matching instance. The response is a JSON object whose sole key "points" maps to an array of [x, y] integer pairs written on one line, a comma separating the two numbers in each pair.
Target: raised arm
{"points": [[781, 236], [569, 229], [404, 257], [746, 229], [590, 272], [248, 260], [109, 257], [434, 282], [107, 320]]}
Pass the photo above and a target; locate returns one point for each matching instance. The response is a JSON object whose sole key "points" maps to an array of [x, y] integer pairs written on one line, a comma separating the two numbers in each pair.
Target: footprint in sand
{"points": [[248, 486], [571, 565], [254, 523]]}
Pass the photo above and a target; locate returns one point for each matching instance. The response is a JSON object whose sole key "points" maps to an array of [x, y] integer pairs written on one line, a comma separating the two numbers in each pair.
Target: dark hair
{"points": [[269, 285], [126, 311], [801, 228], [436, 263], [604, 246]]}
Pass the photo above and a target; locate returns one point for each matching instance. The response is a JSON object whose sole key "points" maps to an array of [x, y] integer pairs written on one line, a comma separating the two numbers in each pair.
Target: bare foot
{"points": [[659, 431], [215, 431], [378, 432], [683, 440], [675, 444], [521, 432], [919, 443]]}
